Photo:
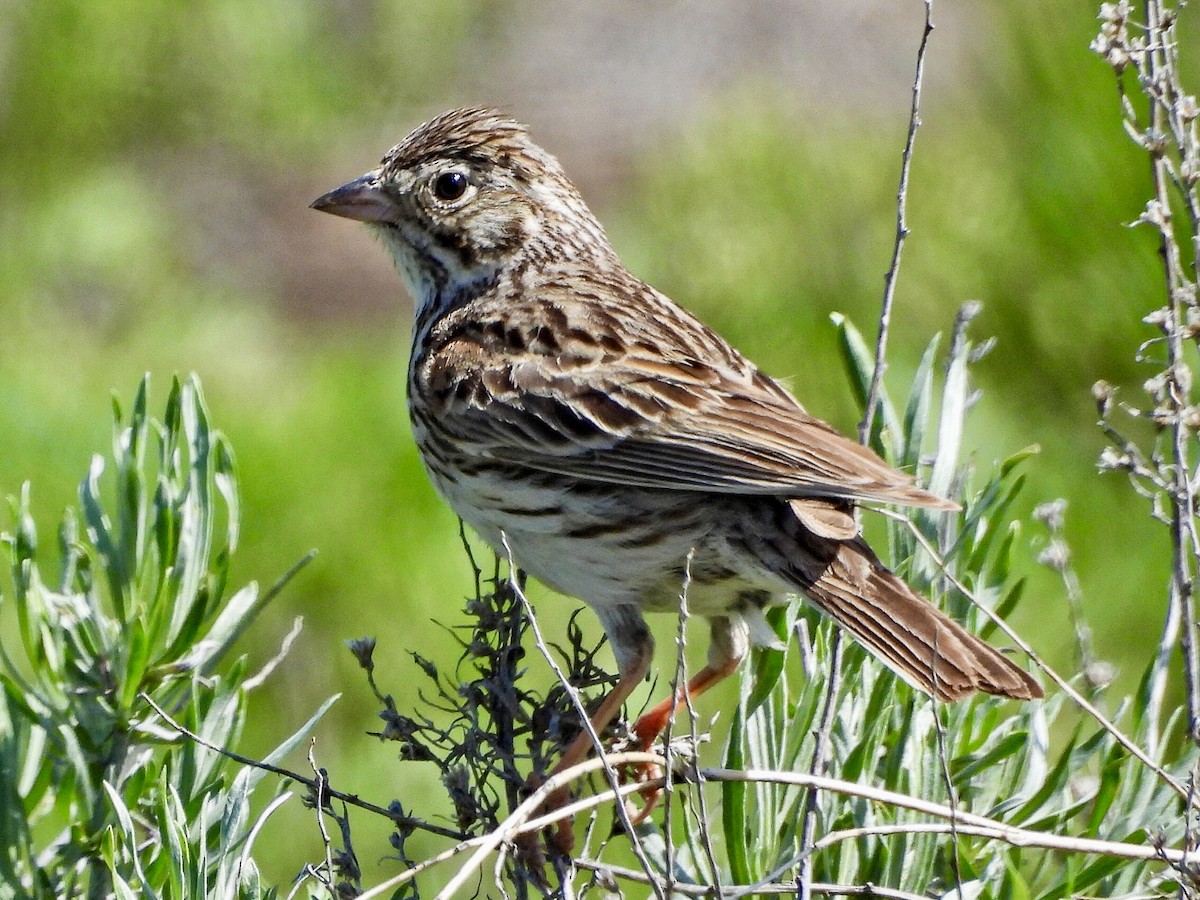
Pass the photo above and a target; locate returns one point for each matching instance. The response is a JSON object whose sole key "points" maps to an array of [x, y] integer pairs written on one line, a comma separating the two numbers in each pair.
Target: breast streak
{"points": [[602, 543]]}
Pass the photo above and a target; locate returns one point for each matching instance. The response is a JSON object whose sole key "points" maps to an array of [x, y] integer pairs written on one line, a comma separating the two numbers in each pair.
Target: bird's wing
{"points": [[645, 415]]}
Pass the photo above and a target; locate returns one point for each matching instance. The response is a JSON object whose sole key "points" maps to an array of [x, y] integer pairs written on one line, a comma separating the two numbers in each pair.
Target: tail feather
{"points": [[909, 634]]}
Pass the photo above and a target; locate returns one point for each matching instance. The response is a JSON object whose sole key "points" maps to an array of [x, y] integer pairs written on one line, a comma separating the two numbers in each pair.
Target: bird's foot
{"points": [[650, 794], [645, 735]]}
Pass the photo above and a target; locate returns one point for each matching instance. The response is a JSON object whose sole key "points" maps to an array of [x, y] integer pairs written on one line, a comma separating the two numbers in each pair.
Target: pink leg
{"points": [[579, 748], [634, 648]]}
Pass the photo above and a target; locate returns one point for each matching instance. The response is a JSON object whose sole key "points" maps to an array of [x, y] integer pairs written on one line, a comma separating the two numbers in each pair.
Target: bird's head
{"points": [[462, 197]]}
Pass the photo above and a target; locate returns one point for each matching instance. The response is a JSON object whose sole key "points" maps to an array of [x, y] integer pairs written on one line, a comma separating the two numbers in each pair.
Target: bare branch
{"points": [[311, 783], [609, 772], [889, 281]]}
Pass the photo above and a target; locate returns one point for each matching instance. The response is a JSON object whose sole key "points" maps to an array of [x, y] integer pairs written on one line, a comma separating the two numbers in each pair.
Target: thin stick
{"points": [[820, 751], [506, 830], [311, 783], [1057, 557], [511, 826], [817, 766], [320, 796], [519, 822], [703, 890], [680, 680], [889, 281], [951, 796], [702, 816], [964, 822], [1010, 834], [1162, 81], [593, 802], [609, 772]]}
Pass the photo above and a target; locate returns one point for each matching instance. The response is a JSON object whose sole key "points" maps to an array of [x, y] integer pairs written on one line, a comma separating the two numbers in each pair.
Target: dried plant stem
{"points": [[816, 768], [1165, 94], [610, 773], [511, 826], [522, 822], [1169, 137], [681, 677], [951, 794], [318, 787], [889, 281], [678, 689], [1057, 556], [1010, 834], [821, 748], [320, 802], [702, 890]]}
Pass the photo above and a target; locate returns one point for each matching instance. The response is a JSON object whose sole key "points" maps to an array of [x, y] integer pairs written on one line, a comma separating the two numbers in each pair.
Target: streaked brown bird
{"points": [[569, 409]]}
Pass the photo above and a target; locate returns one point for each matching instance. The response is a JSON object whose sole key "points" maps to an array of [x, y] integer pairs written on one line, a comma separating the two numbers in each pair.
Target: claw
{"points": [[650, 795]]}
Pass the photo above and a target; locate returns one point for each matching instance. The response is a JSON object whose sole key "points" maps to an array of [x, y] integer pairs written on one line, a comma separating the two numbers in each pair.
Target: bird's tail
{"points": [[924, 646]]}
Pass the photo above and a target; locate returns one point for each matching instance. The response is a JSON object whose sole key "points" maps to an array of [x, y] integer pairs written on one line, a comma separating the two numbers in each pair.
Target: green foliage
{"points": [[983, 755], [101, 795], [156, 160], [104, 796]]}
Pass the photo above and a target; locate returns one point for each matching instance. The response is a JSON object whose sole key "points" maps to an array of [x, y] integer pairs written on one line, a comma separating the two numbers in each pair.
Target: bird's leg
{"points": [[629, 679], [651, 723], [634, 649], [726, 651]]}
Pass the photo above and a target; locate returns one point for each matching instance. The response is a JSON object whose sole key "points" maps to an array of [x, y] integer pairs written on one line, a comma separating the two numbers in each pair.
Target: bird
{"points": [[610, 444]]}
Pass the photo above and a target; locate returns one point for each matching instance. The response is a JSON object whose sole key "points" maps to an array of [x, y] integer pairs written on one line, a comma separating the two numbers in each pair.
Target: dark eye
{"points": [[450, 186]]}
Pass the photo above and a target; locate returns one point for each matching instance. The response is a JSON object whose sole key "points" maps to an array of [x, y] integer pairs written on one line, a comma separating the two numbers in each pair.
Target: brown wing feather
{"points": [[677, 408]]}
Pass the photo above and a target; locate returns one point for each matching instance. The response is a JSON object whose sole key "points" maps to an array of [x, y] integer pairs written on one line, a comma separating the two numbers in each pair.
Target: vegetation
{"points": [[101, 797], [156, 164]]}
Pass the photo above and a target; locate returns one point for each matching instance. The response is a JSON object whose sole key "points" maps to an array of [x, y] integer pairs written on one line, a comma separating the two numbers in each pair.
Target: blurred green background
{"points": [[157, 159]]}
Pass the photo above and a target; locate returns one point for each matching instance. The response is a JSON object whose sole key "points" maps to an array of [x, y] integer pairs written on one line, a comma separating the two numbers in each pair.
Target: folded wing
{"points": [[653, 416]]}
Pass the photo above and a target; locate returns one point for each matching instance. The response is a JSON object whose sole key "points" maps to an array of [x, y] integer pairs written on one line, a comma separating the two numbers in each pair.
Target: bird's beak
{"points": [[362, 199]]}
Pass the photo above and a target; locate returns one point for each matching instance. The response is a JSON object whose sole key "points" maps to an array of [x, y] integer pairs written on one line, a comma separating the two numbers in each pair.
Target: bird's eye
{"points": [[450, 186]]}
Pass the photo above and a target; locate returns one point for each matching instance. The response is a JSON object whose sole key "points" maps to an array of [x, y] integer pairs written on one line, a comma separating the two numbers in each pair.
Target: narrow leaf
{"points": [[733, 803]]}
